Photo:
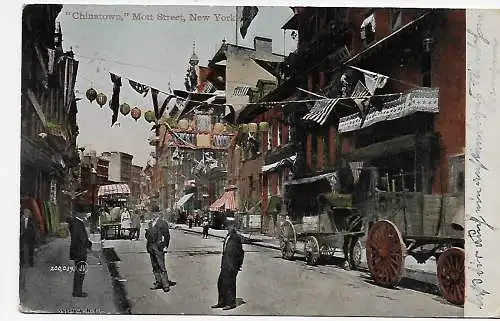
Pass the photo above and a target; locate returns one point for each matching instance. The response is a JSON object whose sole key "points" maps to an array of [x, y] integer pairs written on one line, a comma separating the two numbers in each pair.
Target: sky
{"points": [[153, 52]]}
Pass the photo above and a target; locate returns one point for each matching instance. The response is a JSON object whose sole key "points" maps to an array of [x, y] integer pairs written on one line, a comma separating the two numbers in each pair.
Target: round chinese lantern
{"points": [[149, 116], [101, 99], [183, 124], [263, 126], [124, 109], [244, 128], [91, 94], [252, 127], [135, 113]]}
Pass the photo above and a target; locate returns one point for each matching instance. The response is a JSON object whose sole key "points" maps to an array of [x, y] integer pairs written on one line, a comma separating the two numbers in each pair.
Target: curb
{"points": [[261, 244]]}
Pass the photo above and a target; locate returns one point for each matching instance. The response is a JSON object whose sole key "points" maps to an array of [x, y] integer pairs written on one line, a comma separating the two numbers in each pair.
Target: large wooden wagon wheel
{"points": [[451, 275], [288, 240], [385, 253], [311, 250]]}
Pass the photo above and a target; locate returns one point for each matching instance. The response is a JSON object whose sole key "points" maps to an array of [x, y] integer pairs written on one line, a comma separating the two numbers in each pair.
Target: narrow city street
{"points": [[267, 284]]}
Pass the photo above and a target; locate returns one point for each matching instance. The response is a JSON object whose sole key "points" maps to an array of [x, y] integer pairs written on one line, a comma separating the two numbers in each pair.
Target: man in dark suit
{"points": [[232, 259], [157, 241], [28, 237], [80, 243]]}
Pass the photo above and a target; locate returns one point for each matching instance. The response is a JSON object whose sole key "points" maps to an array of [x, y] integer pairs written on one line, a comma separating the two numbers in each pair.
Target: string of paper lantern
{"points": [[149, 116]]}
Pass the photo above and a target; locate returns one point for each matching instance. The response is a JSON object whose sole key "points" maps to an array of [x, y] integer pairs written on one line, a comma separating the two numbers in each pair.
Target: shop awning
{"points": [[386, 148], [183, 200], [273, 166], [113, 189], [313, 179], [321, 110], [225, 203]]}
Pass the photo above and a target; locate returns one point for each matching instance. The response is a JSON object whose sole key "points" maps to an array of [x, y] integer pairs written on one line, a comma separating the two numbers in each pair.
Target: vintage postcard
{"points": [[258, 161]]}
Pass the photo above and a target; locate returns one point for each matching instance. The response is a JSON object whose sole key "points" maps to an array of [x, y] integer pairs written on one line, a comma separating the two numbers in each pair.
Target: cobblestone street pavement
{"points": [[267, 285]]}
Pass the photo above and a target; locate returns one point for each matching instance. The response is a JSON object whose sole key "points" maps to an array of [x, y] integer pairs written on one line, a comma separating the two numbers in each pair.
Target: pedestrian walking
{"points": [[80, 243], [205, 228], [158, 239], [232, 260], [28, 237], [136, 224], [190, 220]]}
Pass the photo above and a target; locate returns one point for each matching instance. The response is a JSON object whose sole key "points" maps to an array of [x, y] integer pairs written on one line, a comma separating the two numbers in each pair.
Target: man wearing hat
{"points": [[158, 239], [232, 259], [80, 243]]}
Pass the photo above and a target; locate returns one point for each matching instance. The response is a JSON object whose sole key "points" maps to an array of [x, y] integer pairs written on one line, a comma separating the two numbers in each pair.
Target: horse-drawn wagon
{"points": [[421, 226], [389, 225], [321, 218]]}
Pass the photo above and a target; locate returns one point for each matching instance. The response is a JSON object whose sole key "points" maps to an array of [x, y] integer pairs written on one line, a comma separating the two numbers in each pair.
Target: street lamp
{"points": [[93, 183]]}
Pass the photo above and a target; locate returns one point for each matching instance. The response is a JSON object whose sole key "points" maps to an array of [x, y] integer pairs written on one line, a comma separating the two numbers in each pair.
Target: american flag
{"points": [[356, 168], [361, 91], [241, 91], [208, 88]]}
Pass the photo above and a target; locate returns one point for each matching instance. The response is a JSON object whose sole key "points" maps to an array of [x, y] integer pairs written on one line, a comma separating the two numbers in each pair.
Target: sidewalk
{"points": [[47, 287], [422, 272], [254, 238]]}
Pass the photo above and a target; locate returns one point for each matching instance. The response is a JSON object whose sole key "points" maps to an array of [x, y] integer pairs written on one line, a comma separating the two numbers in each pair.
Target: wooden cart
{"points": [[327, 223], [421, 226]]}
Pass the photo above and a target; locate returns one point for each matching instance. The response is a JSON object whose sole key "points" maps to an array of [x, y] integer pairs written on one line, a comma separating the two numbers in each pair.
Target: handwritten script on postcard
{"points": [[482, 219]]}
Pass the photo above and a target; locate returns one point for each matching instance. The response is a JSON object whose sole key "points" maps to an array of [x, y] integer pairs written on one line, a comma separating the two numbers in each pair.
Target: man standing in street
{"points": [[28, 237], [158, 239], [80, 243], [136, 224], [232, 260]]}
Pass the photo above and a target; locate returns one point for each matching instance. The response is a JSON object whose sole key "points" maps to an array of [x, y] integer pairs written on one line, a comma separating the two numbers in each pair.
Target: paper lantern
{"points": [[218, 128], [149, 116], [252, 127], [101, 99], [183, 124], [135, 113], [263, 126], [124, 109], [244, 128], [91, 94]]}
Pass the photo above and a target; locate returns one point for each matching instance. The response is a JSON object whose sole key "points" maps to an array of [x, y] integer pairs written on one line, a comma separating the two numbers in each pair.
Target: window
{"points": [[395, 19], [456, 174], [289, 140], [269, 185], [326, 148], [280, 133], [260, 185], [270, 137], [280, 181], [250, 186]]}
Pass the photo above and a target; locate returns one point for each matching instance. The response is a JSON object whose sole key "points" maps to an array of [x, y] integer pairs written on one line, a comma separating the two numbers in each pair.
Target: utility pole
{"points": [[236, 27]]}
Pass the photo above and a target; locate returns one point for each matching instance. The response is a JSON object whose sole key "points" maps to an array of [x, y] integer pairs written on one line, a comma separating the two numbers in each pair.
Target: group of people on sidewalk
{"points": [[158, 240]]}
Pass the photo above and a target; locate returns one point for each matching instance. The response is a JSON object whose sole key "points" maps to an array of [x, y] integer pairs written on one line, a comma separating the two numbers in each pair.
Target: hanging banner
{"points": [[139, 88], [160, 102], [114, 103]]}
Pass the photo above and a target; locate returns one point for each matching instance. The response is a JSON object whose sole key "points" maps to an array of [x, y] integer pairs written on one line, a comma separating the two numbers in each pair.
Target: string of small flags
{"points": [[161, 99]]}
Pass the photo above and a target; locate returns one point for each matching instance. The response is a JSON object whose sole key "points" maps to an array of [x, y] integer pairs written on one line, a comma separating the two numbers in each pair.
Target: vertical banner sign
{"points": [[53, 191]]}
